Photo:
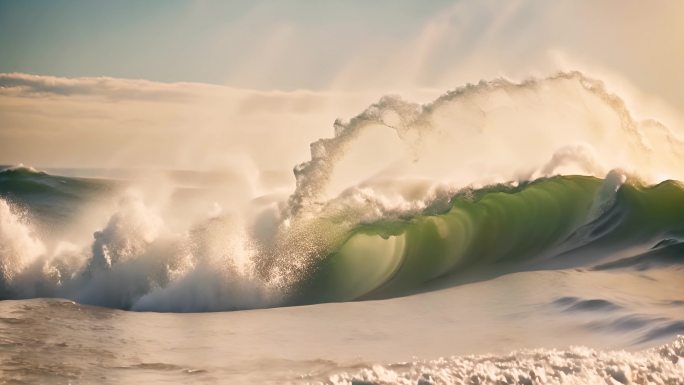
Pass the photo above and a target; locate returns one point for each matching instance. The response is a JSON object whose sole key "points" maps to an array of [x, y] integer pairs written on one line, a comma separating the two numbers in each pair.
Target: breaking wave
{"points": [[577, 365], [509, 175]]}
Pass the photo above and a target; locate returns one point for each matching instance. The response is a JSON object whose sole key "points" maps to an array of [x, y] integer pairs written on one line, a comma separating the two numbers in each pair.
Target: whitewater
{"points": [[506, 232]]}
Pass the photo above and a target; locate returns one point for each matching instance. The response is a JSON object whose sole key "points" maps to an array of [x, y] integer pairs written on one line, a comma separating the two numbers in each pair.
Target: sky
{"points": [[197, 83]]}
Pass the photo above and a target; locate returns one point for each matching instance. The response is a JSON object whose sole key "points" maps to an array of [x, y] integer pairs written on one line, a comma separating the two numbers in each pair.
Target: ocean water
{"points": [[505, 233]]}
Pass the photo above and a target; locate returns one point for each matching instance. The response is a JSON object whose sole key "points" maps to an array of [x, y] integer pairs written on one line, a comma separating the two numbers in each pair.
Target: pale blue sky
{"points": [[346, 54], [203, 41], [384, 45], [324, 44]]}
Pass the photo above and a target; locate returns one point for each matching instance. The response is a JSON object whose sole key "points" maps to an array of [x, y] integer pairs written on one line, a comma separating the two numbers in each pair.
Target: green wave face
{"points": [[496, 229], [496, 225], [648, 212]]}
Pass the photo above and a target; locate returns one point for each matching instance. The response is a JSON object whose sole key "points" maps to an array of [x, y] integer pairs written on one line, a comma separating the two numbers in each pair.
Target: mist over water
{"points": [[342, 193], [500, 216], [400, 189]]}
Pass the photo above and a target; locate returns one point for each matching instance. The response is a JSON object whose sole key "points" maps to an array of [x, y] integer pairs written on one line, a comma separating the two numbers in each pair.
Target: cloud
{"points": [[104, 121], [20, 84]]}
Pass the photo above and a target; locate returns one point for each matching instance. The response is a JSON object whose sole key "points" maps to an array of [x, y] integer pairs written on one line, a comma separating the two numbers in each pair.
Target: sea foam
{"points": [[576, 365]]}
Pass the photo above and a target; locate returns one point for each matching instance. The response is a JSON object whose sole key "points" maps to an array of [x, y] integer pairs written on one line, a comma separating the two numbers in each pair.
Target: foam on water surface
{"points": [[577, 365]]}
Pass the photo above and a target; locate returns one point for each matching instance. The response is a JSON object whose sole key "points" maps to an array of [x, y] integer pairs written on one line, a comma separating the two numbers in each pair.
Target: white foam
{"points": [[19, 246], [394, 159], [128, 232], [577, 365]]}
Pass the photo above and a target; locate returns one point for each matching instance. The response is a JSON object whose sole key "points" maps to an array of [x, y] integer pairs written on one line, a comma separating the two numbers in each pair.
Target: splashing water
{"points": [[403, 194]]}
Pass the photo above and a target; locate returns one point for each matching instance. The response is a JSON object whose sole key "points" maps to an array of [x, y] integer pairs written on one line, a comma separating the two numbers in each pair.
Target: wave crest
{"points": [[402, 195]]}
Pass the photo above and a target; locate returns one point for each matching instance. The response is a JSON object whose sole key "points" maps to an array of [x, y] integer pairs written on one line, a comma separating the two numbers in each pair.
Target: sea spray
{"points": [[467, 180]]}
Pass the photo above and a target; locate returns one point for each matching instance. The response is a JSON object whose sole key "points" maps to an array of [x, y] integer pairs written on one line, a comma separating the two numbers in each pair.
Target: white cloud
{"points": [[56, 121]]}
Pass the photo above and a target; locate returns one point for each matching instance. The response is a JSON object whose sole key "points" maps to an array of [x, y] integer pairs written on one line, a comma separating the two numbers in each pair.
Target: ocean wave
{"points": [[135, 263], [577, 365], [497, 174]]}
